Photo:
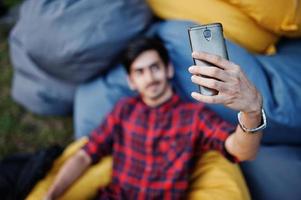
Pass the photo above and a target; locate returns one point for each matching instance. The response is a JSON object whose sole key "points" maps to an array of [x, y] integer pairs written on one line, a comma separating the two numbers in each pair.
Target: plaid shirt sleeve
{"points": [[101, 139], [214, 132]]}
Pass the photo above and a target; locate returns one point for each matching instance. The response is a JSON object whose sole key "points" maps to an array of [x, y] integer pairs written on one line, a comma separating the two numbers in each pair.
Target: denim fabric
{"points": [[276, 77], [275, 174], [94, 100], [283, 97]]}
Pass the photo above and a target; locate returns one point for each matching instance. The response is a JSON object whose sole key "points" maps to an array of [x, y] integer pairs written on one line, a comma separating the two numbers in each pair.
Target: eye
{"points": [[138, 71], [155, 67]]}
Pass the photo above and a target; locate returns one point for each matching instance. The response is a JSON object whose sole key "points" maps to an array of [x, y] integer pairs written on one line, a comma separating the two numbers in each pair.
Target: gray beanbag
{"points": [[69, 42]]}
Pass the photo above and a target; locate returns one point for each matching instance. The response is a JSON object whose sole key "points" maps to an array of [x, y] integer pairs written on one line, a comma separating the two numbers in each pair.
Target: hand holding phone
{"points": [[225, 82], [207, 38]]}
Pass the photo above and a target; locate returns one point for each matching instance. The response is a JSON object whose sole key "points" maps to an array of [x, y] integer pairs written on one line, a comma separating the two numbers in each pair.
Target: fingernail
{"points": [[193, 94], [190, 69]]}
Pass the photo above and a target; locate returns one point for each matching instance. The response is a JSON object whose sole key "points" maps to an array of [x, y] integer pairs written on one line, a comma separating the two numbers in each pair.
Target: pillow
{"points": [[75, 40], [282, 17], [214, 176], [37, 90], [238, 27], [277, 167]]}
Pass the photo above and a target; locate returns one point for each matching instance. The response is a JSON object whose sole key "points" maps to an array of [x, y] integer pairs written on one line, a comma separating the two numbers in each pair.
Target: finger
{"points": [[208, 82], [216, 99], [214, 59], [210, 71]]}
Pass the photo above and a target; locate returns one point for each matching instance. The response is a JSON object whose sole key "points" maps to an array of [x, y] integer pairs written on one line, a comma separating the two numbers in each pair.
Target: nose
{"points": [[149, 76]]}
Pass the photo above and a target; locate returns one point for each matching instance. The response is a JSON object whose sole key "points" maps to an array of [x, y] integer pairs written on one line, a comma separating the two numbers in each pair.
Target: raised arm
{"points": [[68, 174], [235, 91]]}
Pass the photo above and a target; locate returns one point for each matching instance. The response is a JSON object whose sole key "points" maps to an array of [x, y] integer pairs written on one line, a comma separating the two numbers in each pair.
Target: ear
{"points": [[130, 83], [170, 70]]}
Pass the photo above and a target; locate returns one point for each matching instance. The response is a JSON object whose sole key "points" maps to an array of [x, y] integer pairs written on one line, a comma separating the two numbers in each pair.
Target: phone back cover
{"points": [[215, 44]]}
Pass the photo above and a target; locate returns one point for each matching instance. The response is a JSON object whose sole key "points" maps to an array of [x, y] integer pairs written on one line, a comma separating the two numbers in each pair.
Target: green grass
{"points": [[11, 3], [20, 130]]}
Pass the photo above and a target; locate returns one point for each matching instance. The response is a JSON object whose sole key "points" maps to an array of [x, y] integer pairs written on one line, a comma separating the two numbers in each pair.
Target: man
{"points": [[156, 137]]}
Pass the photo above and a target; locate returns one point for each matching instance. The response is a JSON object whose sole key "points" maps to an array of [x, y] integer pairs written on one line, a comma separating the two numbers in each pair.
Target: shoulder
{"points": [[126, 104], [194, 106], [189, 110], [127, 101], [198, 110]]}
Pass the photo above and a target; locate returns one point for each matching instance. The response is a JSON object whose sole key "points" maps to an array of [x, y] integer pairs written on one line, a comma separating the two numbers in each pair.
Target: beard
{"points": [[156, 89]]}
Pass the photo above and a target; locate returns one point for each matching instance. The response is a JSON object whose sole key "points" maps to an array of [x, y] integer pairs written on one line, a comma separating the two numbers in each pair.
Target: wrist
{"points": [[252, 124], [255, 107], [253, 116]]}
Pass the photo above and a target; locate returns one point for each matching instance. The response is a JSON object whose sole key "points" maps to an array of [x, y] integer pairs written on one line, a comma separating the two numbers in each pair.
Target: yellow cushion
{"points": [[216, 178], [213, 178], [86, 187], [282, 17], [238, 27]]}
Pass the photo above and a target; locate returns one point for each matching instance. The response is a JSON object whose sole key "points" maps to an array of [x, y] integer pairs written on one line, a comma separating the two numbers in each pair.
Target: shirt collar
{"points": [[173, 101]]}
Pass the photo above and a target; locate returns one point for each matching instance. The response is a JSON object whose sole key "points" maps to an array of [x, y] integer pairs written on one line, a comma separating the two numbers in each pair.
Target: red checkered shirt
{"points": [[154, 149]]}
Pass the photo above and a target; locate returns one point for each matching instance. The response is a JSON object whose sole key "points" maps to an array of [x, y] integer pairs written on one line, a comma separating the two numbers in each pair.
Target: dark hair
{"points": [[140, 45]]}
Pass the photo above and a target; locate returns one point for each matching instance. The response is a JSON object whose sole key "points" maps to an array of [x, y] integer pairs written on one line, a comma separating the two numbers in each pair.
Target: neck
{"points": [[158, 101]]}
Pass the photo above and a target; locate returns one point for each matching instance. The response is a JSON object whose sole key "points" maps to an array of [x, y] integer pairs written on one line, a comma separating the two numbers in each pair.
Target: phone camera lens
{"points": [[207, 34]]}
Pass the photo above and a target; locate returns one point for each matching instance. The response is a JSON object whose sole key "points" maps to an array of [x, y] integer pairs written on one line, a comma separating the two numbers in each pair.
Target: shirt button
{"points": [[148, 168]]}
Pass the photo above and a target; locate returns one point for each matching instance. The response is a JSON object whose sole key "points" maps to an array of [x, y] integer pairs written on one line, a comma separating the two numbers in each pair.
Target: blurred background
{"points": [[58, 60], [21, 130]]}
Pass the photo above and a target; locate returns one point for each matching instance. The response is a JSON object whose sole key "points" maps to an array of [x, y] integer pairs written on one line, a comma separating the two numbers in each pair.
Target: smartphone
{"points": [[207, 38]]}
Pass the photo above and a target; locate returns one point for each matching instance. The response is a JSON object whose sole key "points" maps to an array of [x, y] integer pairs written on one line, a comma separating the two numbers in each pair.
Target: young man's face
{"points": [[150, 77]]}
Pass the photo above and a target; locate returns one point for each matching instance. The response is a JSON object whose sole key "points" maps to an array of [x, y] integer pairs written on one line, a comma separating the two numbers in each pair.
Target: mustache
{"points": [[152, 84]]}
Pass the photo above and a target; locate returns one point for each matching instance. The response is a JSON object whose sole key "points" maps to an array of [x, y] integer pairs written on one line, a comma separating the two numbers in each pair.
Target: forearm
{"points": [[245, 145], [70, 172], [236, 92]]}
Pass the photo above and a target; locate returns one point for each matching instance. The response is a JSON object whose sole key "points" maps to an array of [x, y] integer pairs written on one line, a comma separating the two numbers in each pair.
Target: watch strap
{"points": [[253, 130]]}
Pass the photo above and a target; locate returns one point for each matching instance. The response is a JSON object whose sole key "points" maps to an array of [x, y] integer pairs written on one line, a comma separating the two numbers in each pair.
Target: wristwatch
{"points": [[253, 130]]}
